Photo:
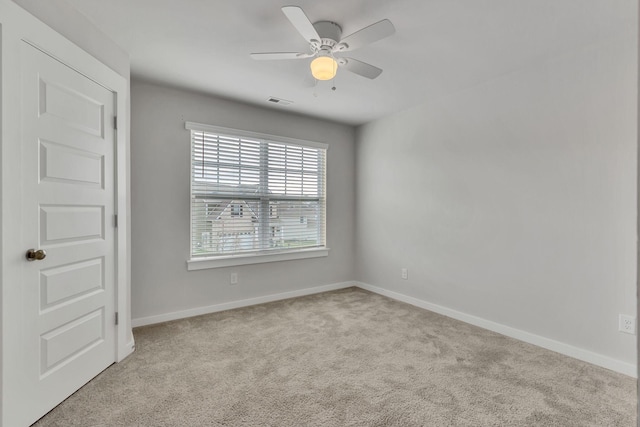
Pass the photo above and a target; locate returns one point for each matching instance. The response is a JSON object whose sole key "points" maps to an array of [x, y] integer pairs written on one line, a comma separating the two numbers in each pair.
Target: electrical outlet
{"points": [[234, 278], [627, 324], [404, 273]]}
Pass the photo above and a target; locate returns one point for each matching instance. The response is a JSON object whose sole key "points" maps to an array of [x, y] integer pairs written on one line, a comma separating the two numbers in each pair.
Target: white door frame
{"points": [[16, 27]]}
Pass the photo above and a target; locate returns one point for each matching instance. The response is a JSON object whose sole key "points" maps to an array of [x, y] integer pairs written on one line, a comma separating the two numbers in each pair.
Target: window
{"points": [[250, 193], [236, 210]]}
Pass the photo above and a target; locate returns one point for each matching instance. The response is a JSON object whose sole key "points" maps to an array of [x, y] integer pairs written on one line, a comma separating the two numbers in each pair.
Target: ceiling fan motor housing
{"points": [[330, 34]]}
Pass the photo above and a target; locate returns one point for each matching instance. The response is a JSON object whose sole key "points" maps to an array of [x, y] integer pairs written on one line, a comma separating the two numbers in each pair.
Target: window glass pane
{"points": [[251, 195], [295, 225]]}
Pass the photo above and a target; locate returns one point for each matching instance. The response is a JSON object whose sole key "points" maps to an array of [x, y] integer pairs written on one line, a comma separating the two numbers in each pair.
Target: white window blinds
{"points": [[254, 193]]}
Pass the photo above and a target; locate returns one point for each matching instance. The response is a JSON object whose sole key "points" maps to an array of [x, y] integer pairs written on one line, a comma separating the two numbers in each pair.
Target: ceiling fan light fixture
{"points": [[324, 68]]}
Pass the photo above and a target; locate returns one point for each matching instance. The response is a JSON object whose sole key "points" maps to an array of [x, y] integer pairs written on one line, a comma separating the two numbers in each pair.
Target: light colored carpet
{"points": [[343, 358]]}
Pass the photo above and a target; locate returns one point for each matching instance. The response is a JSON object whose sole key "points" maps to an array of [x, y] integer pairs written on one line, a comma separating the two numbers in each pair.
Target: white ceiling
{"points": [[440, 46]]}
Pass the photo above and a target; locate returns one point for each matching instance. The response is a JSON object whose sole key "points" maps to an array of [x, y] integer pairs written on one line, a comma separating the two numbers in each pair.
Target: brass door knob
{"points": [[36, 255]]}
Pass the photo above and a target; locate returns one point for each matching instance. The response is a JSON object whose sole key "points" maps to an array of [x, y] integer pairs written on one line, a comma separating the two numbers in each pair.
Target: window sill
{"points": [[244, 259]]}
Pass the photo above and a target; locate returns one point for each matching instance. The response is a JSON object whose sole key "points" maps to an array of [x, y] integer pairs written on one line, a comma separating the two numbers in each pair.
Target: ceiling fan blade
{"points": [[301, 22], [361, 68], [367, 35], [280, 55]]}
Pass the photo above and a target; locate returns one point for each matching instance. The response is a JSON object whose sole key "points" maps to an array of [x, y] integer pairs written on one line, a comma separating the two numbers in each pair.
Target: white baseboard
{"points": [[557, 346], [143, 321]]}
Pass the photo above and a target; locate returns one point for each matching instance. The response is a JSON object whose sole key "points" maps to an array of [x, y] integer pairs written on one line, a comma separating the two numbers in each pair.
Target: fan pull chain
{"points": [[335, 72]]}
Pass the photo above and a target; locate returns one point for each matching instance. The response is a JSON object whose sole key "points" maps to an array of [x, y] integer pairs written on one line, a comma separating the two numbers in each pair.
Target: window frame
{"points": [[244, 258]]}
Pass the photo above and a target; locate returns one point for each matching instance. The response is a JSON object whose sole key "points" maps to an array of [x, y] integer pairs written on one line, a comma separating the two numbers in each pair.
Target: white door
{"points": [[68, 211]]}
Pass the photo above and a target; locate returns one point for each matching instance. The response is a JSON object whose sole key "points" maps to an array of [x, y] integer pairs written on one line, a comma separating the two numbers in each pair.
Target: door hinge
{"points": [[115, 122], [116, 317], [115, 221]]}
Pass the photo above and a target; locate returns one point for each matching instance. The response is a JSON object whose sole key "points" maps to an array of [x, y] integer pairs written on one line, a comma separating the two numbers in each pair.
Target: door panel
{"points": [[69, 282], [67, 342], [68, 205], [70, 224], [61, 163], [71, 107]]}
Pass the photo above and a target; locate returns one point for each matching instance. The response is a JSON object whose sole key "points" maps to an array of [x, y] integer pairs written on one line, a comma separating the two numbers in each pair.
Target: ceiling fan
{"points": [[325, 40]]}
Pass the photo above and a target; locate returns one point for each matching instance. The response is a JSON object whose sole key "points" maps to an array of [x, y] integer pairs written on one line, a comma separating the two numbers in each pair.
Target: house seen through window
{"points": [[236, 209], [255, 194]]}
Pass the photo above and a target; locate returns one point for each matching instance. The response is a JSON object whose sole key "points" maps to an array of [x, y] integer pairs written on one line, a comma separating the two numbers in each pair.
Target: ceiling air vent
{"points": [[279, 101]]}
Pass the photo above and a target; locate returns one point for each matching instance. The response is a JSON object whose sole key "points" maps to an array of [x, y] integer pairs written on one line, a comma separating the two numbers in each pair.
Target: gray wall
{"points": [[160, 163], [514, 200]]}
